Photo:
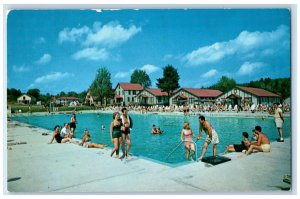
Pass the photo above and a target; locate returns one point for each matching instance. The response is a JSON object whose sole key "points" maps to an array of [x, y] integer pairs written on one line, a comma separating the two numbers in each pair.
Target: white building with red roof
{"points": [[152, 96], [90, 99], [66, 100], [194, 96], [241, 95], [125, 93]]}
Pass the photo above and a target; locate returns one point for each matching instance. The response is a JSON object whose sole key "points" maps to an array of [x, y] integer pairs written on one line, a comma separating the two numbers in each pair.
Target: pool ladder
{"points": [[180, 144]]}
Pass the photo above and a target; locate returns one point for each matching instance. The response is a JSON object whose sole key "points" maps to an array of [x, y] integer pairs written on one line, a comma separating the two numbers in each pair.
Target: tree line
{"points": [[102, 86], [280, 86]]}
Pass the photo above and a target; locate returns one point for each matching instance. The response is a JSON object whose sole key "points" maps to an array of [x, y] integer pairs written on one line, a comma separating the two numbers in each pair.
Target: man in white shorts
{"points": [[212, 136], [278, 118]]}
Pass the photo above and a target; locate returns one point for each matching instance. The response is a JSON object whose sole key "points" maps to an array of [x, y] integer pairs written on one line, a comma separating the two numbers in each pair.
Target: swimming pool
{"points": [[158, 147]]}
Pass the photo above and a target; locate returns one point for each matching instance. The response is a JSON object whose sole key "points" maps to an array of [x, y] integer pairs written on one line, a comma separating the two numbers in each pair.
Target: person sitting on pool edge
{"points": [[87, 143], [186, 137], [56, 135], [245, 143], [262, 143]]}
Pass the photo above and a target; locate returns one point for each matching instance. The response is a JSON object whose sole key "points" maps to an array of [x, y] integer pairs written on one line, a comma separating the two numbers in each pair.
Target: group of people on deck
{"points": [[120, 129], [122, 123], [66, 134], [261, 142]]}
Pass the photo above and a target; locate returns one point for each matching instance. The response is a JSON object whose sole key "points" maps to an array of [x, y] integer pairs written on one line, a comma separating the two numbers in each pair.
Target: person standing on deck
{"points": [[212, 136], [279, 120], [127, 124], [115, 133]]}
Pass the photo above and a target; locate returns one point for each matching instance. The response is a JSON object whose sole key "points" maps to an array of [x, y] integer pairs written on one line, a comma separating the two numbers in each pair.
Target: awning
{"points": [[118, 97]]}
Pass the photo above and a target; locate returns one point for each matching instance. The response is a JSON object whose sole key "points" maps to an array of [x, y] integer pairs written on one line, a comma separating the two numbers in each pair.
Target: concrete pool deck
{"points": [[38, 167]]}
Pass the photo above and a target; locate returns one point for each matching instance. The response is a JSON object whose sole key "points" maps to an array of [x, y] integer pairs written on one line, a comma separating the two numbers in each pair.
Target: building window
{"points": [[132, 99], [159, 99], [128, 99], [134, 92], [129, 92]]}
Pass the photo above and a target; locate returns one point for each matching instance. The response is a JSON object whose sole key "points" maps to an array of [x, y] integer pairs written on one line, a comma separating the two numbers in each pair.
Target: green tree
{"points": [[140, 77], [62, 94], [82, 95], [13, 94], [72, 94], [281, 86], [224, 84], [102, 86], [170, 80], [45, 99], [34, 92]]}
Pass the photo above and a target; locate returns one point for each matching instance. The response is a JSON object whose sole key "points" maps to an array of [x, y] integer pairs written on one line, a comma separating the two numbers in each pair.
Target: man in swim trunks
{"points": [[127, 124], [212, 136], [262, 143]]}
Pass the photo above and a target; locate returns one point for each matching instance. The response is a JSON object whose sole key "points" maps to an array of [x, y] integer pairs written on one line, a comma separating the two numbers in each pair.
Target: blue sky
{"points": [[61, 50]]}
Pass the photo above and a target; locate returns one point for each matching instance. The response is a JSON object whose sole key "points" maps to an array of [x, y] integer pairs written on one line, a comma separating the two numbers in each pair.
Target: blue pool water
{"points": [[158, 147]]}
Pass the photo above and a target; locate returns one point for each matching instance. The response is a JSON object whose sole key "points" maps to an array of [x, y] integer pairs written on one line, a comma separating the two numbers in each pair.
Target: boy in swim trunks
{"points": [[212, 136]]}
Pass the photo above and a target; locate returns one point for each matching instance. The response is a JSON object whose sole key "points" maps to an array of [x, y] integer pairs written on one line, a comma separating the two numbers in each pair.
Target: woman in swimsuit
{"points": [[239, 147], [186, 137], [86, 141], [115, 133]]}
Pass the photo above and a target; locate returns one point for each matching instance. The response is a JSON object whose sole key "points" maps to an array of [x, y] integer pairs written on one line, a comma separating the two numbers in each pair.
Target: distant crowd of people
{"points": [[195, 108]]}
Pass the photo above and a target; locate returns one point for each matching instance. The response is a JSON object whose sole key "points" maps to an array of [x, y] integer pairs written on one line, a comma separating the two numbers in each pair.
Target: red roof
{"points": [[157, 92], [132, 87], [203, 92], [258, 92]]}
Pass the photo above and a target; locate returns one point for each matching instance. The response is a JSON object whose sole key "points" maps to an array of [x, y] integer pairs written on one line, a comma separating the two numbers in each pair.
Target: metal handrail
{"points": [[179, 145]]}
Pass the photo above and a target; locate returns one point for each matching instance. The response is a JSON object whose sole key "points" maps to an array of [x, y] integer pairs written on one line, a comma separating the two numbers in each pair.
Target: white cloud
{"points": [[111, 34], [150, 68], [20, 69], [122, 74], [55, 76], [248, 68], [92, 54], [245, 43], [44, 59], [210, 73], [108, 35], [72, 35]]}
